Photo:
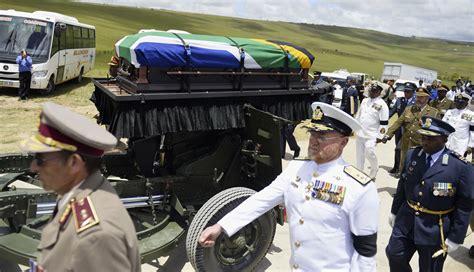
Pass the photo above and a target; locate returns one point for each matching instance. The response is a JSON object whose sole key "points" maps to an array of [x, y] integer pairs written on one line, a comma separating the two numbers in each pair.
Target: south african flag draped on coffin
{"points": [[167, 50]]}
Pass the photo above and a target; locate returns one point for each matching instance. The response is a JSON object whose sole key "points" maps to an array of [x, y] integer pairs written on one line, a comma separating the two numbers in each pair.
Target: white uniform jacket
{"points": [[321, 233], [463, 123], [373, 116]]}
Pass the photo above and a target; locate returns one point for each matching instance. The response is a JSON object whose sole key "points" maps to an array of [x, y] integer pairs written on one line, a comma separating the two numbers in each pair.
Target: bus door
{"points": [[61, 57]]}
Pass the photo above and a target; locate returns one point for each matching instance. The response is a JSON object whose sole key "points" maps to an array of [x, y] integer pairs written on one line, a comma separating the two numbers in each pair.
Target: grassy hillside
{"points": [[334, 47]]}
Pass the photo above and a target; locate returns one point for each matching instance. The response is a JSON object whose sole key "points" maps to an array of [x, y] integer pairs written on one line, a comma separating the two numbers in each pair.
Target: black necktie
{"points": [[428, 162]]}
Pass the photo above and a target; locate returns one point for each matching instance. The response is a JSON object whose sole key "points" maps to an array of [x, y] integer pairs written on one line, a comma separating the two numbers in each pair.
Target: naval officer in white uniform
{"points": [[332, 207], [462, 119], [373, 117]]}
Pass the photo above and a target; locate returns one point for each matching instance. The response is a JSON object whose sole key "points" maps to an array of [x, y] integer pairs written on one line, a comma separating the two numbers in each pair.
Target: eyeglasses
{"points": [[320, 138], [41, 161]]}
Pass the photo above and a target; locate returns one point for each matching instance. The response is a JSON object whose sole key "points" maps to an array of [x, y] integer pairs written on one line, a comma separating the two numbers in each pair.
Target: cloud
{"points": [[445, 19]]}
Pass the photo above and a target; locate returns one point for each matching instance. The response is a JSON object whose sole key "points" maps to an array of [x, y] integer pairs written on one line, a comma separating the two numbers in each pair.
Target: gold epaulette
{"points": [[358, 175], [84, 214]]}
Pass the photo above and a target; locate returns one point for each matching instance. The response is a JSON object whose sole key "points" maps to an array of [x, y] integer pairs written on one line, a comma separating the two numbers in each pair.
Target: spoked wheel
{"points": [[241, 252]]}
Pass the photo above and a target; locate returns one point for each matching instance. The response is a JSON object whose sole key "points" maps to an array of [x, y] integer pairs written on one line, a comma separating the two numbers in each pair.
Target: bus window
{"points": [[85, 37], [55, 46], [77, 37], [69, 37], [92, 38]]}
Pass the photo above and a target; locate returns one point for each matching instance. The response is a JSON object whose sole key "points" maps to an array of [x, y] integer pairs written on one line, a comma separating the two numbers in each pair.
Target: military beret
{"points": [[329, 118], [62, 129], [435, 127], [422, 91]]}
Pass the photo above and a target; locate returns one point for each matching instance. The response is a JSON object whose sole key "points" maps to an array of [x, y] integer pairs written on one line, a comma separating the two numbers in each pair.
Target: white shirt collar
{"points": [[435, 156]]}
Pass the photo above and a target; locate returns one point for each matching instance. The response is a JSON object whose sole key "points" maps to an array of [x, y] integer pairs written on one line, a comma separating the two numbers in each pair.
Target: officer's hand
{"points": [[452, 246], [378, 141], [391, 219], [209, 235]]}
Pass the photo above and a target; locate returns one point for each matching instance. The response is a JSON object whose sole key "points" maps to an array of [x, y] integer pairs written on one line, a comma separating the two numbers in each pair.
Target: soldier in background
{"points": [[373, 117], [411, 123], [350, 97], [462, 119], [402, 102], [90, 229], [442, 103], [432, 206]]}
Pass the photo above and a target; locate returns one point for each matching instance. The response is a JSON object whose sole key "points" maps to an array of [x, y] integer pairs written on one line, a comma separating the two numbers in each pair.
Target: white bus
{"points": [[61, 48]]}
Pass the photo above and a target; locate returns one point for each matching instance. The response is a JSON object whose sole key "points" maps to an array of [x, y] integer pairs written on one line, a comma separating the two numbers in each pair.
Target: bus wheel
{"points": [[50, 88], [80, 77], [241, 252]]}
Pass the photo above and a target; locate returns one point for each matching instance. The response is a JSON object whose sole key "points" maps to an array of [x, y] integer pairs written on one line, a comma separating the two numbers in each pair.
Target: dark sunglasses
{"points": [[41, 161]]}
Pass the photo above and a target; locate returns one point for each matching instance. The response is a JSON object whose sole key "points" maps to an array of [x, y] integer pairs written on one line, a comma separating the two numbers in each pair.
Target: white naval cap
{"points": [[329, 118]]}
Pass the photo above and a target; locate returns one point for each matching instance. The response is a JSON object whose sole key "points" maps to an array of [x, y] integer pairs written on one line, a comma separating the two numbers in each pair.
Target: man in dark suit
{"points": [[431, 209]]}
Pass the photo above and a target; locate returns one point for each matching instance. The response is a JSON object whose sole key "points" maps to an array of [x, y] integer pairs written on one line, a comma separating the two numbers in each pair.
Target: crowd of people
{"points": [[431, 208]]}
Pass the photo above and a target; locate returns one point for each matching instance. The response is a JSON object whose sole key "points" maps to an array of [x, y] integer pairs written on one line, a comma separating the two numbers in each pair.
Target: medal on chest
{"points": [[328, 192]]}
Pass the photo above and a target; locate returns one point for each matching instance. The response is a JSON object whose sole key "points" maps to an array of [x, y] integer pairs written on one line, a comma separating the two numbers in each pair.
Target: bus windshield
{"points": [[18, 33]]}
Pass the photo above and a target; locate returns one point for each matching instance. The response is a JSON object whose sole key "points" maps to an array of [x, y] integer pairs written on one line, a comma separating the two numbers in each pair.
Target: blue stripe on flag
{"points": [[173, 55]]}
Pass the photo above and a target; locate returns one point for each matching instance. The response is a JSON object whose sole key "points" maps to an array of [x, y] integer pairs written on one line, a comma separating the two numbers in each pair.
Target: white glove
{"points": [[391, 219], [452, 246]]}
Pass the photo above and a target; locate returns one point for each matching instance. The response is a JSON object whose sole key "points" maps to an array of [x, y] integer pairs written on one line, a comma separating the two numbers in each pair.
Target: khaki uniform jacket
{"points": [[411, 123], [442, 105], [110, 245]]}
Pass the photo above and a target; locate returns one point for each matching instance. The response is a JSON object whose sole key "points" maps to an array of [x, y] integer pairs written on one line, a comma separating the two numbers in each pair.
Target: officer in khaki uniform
{"points": [[442, 103], [410, 120], [332, 207], [90, 229]]}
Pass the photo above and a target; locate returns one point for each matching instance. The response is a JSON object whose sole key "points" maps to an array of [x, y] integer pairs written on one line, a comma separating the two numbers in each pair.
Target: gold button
{"points": [[417, 213], [422, 182], [307, 197], [418, 203], [301, 221], [297, 244], [295, 266], [420, 193]]}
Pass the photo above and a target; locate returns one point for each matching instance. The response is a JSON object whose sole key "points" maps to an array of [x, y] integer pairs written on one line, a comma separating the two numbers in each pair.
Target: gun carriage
{"points": [[202, 115]]}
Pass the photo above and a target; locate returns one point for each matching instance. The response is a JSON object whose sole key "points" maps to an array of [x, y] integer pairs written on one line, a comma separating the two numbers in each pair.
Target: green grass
{"points": [[334, 47]]}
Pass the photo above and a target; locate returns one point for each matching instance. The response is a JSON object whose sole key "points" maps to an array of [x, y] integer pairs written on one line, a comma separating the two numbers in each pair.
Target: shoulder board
{"points": [[358, 175], [84, 214], [414, 147], [459, 157]]}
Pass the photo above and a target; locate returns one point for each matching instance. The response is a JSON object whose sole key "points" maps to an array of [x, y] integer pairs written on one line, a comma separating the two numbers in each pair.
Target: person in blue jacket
{"points": [[431, 209], [24, 62]]}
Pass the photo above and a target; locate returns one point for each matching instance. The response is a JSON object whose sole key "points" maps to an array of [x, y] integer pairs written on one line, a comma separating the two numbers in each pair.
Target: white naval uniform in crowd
{"points": [[462, 137], [320, 232], [371, 113]]}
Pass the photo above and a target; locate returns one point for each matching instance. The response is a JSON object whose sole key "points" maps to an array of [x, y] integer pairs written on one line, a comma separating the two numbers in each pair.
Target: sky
{"points": [[444, 19]]}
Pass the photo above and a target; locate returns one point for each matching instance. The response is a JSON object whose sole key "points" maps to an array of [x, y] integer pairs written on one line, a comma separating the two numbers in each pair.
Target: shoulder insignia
{"points": [[358, 175], [84, 214], [413, 147], [459, 157]]}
